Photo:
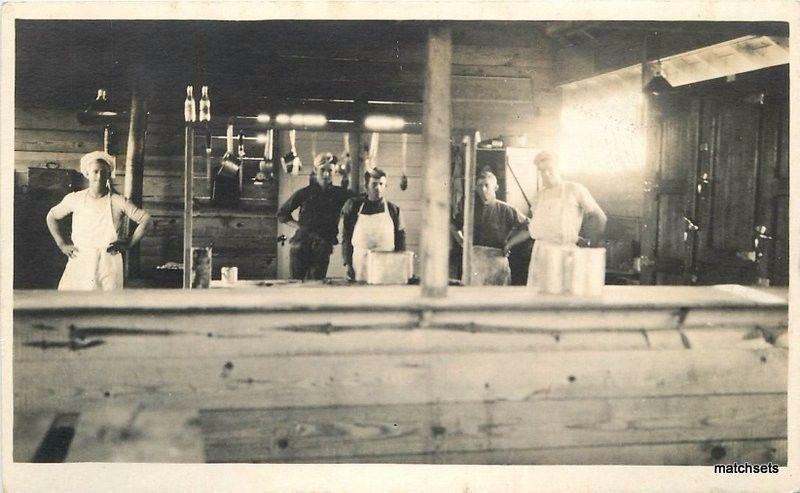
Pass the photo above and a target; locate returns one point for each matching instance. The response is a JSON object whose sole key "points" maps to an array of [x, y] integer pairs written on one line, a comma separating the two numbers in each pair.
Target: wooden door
{"points": [[727, 190], [717, 183], [669, 207], [744, 205]]}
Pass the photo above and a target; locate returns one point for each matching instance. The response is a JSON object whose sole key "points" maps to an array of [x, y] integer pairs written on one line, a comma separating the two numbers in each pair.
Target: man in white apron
{"points": [[558, 214], [370, 223], [94, 248]]}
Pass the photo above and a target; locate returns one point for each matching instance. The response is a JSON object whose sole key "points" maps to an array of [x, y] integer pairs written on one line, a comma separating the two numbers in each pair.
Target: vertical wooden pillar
{"points": [[356, 165], [469, 208], [188, 205], [134, 170], [436, 116]]}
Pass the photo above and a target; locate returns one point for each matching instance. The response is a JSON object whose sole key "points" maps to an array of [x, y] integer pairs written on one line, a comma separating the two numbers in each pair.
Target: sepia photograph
{"points": [[434, 241]]}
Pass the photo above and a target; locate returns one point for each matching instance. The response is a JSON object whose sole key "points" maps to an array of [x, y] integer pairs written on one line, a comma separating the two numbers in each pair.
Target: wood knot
{"points": [[437, 430], [283, 443], [718, 452], [571, 378]]}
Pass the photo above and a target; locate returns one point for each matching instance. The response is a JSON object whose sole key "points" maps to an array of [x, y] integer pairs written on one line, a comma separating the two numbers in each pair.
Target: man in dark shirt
{"points": [[495, 222], [370, 223], [318, 223]]}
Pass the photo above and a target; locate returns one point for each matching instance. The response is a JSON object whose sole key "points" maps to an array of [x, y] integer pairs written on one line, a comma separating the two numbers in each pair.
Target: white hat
{"points": [[91, 157]]}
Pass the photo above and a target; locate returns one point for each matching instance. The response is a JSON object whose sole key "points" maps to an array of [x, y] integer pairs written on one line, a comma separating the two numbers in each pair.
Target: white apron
{"points": [[93, 267], [372, 232], [553, 223]]}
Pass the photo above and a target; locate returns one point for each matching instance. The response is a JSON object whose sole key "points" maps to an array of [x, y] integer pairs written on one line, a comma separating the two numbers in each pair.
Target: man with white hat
{"points": [[317, 224], [94, 247], [558, 215]]}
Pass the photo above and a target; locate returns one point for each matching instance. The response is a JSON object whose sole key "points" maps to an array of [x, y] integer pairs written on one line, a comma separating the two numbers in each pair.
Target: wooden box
{"points": [[389, 267]]}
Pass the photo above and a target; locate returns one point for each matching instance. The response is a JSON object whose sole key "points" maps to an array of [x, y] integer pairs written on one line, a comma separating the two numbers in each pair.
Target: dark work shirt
{"points": [[319, 211], [493, 223], [350, 216]]}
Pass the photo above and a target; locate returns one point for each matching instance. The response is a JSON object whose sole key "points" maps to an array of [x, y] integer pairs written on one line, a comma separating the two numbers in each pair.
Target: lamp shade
{"points": [[658, 85]]}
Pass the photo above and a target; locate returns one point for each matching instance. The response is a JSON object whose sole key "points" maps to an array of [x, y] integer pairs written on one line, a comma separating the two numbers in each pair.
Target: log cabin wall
{"points": [[501, 85]]}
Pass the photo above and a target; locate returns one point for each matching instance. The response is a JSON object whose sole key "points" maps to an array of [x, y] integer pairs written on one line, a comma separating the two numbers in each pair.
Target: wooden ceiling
{"points": [[331, 66], [253, 64]]}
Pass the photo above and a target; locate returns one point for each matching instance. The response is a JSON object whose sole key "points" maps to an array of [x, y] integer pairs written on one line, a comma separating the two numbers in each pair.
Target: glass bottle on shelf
{"points": [[189, 107], [205, 105]]}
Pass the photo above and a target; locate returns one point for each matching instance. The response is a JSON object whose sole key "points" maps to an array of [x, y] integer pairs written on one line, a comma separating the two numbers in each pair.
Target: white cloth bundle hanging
{"points": [[311, 175], [344, 162], [403, 152], [371, 162], [343, 167], [291, 162], [265, 166]]}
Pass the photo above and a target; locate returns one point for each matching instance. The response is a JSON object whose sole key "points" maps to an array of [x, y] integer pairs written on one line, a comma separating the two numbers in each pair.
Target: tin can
{"points": [[589, 271], [230, 275], [553, 279]]}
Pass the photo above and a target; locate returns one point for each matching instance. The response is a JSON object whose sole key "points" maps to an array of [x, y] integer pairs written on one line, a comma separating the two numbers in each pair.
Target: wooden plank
{"points": [[29, 430], [297, 434], [57, 140], [249, 376], [705, 453], [733, 187], [780, 266], [137, 434], [295, 338], [676, 302], [222, 225], [499, 89], [31, 118]]}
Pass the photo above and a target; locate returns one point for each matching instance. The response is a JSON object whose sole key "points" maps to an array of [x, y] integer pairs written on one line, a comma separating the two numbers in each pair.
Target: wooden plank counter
{"points": [[314, 373]]}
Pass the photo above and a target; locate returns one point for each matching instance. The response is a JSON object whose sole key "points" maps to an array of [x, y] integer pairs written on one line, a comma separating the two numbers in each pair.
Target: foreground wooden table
{"points": [[640, 375]]}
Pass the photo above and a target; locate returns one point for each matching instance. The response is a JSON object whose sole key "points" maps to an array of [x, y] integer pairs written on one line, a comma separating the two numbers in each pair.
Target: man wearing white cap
{"points": [[94, 248], [560, 210]]}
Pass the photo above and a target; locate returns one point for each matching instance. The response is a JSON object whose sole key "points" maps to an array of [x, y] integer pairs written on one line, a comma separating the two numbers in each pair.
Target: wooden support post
{"points": [[188, 205], [134, 171], [209, 169], [469, 208], [436, 116]]}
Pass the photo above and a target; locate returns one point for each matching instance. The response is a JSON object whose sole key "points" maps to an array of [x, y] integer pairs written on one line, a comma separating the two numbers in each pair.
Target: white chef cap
{"points": [[91, 157], [324, 158]]}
